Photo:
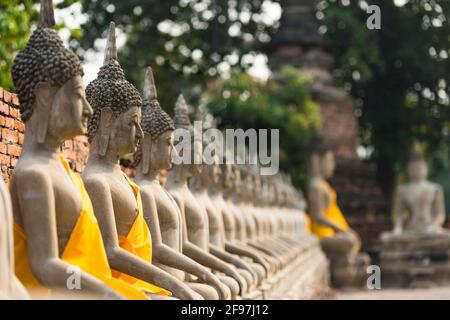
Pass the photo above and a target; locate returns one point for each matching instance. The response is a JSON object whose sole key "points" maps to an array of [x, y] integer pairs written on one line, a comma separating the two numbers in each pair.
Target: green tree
{"points": [[16, 18], [187, 42], [399, 75], [245, 102]]}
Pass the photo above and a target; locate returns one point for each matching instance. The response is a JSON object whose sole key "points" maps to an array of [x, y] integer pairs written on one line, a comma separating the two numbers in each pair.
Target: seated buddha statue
{"points": [[339, 242], [244, 228], [55, 231], [10, 286], [160, 210], [419, 207], [204, 191], [196, 244], [253, 220], [114, 131], [220, 200], [415, 253]]}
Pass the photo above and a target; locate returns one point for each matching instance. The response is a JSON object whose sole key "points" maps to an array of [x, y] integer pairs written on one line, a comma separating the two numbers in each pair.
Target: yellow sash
{"points": [[332, 213], [84, 249], [139, 242]]}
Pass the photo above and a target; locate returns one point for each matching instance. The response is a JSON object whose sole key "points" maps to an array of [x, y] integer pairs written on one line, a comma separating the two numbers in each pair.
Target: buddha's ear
{"points": [[106, 123], [147, 144], [45, 95]]}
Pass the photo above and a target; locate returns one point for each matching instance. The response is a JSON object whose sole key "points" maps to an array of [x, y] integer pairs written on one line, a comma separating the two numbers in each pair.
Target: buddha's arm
{"points": [[203, 257], [234, 260], [244, 250], [317, 202], [120, 259], [398, 210], [165, 255], [439, 208], [36, 201]]}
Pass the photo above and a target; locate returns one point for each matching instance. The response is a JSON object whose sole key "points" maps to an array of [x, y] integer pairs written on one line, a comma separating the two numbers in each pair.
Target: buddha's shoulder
{"points": [[95, 179], [317, 185], [32, 169]]}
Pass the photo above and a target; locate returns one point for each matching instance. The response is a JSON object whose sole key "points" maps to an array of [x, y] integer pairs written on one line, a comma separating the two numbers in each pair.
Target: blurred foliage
{"points": [[282, 103], [16, 18], [187, 42], [399, 75]]}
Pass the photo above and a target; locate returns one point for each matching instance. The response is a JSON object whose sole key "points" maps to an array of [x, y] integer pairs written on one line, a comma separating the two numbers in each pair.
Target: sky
{"points": [[93, 59]]}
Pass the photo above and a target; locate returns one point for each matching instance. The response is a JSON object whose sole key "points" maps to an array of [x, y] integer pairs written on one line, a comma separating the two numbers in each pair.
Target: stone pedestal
{"points": [[416, 261], [348, 270]]}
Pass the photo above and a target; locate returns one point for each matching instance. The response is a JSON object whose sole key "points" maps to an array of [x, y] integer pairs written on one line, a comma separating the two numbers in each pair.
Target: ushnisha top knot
{"points": [[44, 59], [181, 117], [110, 88], [155, 121]]}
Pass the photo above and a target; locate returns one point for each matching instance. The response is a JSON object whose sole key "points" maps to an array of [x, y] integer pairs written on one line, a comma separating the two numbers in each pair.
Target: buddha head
{"points": [[48, 79], [417, 166], [182, 121], [322, 162], [247, 185], [236, 184], [155, 148], [227, 178], [115, 125]]}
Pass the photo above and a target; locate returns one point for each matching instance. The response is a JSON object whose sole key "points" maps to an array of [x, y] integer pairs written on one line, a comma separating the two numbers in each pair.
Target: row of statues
{"points": [[216, 231], [212, 231]]}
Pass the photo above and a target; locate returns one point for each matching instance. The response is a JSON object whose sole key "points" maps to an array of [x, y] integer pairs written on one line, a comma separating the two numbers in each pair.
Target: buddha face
{"points": [[237, 181], [212, 173], [196, 165], [417, 170], [126, 131], [70, 111], [161, 151], [328, 164], [228, 178]]}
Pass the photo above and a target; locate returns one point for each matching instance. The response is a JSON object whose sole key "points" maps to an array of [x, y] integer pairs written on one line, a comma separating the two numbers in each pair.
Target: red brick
{"points": [[2, 121], [9, 135], [3, 148], [7, 96], [19, 125], [1, 93], [9, 123], [15, 100], [14, 162], [20, 137], [5, 160], [4, 108], [14, 112], [14, 150]]}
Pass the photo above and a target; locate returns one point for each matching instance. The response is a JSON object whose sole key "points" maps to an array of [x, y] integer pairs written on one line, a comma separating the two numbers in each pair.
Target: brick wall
{"points": [[12, 135]]}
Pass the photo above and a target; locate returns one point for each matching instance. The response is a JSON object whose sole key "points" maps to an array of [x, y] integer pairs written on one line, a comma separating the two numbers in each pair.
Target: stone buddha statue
{"points": [[421, 200], [269, 211], [234, 224], [114, 131], [53, 218], [221, 186], [160, 210], [196, 243], [238, 202], [10, 286], [254, 221], [415, 253], [207, 196], [339, 242]]}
